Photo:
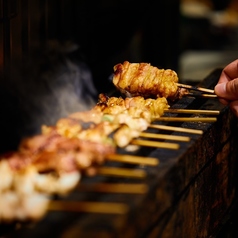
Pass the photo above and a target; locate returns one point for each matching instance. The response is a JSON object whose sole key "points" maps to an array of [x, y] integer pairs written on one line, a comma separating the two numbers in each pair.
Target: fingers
{"points": [[228, 94], [227, 86], [220, 91], [228, 90], [229, 72]]}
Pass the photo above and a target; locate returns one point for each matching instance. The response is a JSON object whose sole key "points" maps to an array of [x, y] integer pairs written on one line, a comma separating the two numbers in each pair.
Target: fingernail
{"points": [[220, 89]]}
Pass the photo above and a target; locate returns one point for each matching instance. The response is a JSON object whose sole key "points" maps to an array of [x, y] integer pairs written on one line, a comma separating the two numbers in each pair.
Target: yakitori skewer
{"points": [[148, 81], [123, 118], [192, 111], [131, 188], [175, 128], [88, 207]]}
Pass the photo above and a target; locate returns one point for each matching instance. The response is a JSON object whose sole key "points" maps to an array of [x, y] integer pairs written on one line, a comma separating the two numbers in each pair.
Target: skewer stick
{"points": [[208, 95], [165, 137], [133, 159], [121, 172], [203, 95], [114, 188], [195, 88], [190, 119], [89, 207], [192, 111], [178, 129], [157, 144]]}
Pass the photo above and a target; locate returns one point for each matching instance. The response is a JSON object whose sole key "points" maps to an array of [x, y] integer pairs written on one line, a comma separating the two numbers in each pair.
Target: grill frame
{"points": [[190, 191]]}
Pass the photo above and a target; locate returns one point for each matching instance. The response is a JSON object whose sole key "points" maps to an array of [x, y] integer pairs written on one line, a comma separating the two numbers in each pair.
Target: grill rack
{"points": [[167, 184]]}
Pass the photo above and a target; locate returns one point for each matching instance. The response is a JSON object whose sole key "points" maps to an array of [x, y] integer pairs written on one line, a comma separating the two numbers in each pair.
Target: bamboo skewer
{"points": [[200, 89], [157, 144], [177, 129], [89, 207], [190, 119], [114, 188], [121, 172], [165, 137], [202, 95], [192, 111], [133, 159]]}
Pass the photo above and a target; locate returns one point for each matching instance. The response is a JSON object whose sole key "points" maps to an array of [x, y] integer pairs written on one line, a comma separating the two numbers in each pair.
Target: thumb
{"points": [[228, 90]]}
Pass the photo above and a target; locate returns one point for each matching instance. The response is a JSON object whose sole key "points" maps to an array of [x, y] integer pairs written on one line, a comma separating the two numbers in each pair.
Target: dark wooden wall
{"points": [[107, 31]]}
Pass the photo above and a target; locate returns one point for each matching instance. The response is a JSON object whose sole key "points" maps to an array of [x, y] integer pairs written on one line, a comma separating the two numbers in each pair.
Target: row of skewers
{"points": [[54, 161]]}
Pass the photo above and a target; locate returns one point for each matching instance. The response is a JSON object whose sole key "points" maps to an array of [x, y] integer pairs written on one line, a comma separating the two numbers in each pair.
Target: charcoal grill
{"points": [[190, 191]]}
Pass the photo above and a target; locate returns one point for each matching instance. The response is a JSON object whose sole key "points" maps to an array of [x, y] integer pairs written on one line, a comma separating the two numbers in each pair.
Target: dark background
{"points": [[106, 31]]}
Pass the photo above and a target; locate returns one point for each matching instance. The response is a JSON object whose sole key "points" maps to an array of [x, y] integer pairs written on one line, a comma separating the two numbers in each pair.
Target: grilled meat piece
{"points": [[142, 79]]}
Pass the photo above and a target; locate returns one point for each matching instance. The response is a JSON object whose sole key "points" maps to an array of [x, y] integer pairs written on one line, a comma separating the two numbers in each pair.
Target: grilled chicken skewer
{"points": [[25, 193], [44, 164], [52, 162], [126, 118], [143, 79]]}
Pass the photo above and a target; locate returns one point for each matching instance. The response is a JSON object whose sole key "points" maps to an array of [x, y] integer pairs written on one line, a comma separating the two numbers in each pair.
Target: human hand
{"points": [[227, 86]]}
